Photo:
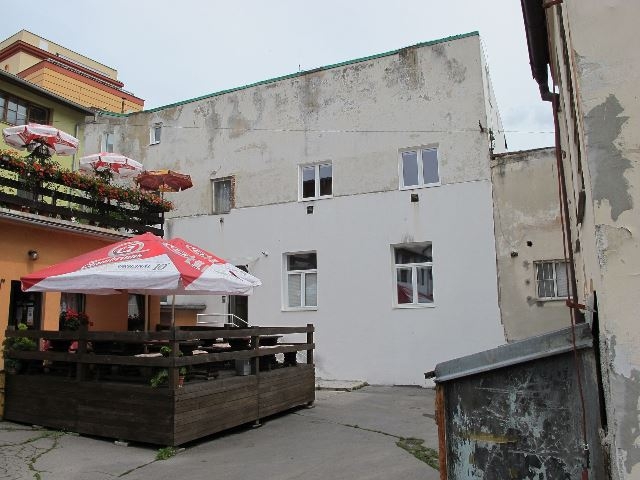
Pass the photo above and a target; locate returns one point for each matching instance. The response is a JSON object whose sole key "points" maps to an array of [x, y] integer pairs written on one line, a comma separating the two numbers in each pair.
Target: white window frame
{"points": [[537, 264], [215, 181], [414, 277], [317, 195], [153, 138], [105, 142], [418, 151], [303, 273]]}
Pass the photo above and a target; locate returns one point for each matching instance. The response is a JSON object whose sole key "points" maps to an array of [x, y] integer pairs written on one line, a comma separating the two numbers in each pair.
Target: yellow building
{"points": [[66, 73]]}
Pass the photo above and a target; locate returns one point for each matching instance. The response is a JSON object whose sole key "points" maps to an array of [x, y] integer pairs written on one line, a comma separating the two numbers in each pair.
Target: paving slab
{"points": [[347, 435]]}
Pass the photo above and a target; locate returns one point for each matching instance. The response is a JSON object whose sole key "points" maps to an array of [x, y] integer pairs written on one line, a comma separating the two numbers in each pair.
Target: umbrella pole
{"points": [[173, 311]]}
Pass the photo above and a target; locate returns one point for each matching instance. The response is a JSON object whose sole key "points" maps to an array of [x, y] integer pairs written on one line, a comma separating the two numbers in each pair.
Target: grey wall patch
{"points": [[606, 162], [628, 427]]}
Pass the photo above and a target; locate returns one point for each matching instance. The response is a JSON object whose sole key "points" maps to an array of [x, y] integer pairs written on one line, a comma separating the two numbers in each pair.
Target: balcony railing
{"points": [[71, 196]]}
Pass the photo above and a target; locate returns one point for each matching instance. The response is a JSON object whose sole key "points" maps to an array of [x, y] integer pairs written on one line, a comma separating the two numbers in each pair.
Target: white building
{"points": [[359, 193]]}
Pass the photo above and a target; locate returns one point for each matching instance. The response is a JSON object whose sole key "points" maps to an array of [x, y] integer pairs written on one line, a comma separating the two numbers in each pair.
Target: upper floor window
{"points": [[551, 279], [419, 167], [107, 142], [316, 181], [222, 195], [154, 134], [301, 282], [17, 111], [414, 273]]}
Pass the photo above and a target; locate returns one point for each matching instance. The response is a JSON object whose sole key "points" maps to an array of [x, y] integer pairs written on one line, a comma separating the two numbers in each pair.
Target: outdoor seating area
{"points": [[167, 388]]}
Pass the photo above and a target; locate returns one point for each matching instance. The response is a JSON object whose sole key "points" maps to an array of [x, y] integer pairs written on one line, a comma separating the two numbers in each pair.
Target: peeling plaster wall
{"points": [[523, 215], [357, 116], [601, 66]]}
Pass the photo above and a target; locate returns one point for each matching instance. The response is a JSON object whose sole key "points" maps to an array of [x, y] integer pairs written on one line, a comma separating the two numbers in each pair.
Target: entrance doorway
{"points": [[24, 307], [238, 305]]}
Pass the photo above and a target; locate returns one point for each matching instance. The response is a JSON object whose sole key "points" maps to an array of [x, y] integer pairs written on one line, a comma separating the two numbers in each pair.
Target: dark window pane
{"points": [[425, 284], [2, 107], [430, 166], [38, 115], [404, 285], [409, 169], [302, 261], [419, 253], [309, 182], [325, 180]]}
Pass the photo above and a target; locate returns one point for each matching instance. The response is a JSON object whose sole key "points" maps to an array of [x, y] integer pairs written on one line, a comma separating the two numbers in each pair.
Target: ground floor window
{"points": [[413, 265], [301, 280], [25, 307]]}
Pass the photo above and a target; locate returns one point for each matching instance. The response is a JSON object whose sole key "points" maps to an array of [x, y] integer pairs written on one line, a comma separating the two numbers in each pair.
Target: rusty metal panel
{"points": [[522, 420]]}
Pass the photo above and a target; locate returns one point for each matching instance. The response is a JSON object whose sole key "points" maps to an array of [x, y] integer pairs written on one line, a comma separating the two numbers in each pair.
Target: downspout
{"points": [[564, 204]]}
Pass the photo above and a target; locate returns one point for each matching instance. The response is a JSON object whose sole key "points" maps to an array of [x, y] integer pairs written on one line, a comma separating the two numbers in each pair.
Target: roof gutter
{"points": [[535, 26]]}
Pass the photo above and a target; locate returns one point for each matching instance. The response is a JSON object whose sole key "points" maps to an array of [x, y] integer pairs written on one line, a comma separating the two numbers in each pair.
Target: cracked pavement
{"points": [[350, 435]]}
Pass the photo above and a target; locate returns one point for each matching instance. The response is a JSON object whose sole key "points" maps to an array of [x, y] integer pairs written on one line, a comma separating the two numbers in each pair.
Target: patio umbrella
{"points": [[163, 181], [110, 162], [34, 135], [144, 264]]}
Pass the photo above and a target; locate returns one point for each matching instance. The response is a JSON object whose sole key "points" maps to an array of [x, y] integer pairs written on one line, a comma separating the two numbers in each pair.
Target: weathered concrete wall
{"points": [[527, 229], [357, 116], [598, 69]]}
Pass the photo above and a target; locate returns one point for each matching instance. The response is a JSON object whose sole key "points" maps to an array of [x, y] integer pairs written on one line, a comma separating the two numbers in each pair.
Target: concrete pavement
{"points": [[348, 435]]}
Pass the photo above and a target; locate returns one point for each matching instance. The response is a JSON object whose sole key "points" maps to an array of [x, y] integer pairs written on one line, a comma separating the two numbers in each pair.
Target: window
{"points": [[222, 195], [419, 168], [154, 134], [108, 140], [301, 282], [316, 181], [551, 279], [16, 111], [413, 273]]}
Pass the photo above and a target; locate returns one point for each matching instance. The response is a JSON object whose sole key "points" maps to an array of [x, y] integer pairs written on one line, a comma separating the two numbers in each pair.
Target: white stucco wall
{"points": [[359, 333], [357, 116]]}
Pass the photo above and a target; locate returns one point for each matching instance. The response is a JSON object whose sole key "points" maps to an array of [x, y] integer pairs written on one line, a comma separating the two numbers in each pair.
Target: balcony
{"points": [[46, 189]]}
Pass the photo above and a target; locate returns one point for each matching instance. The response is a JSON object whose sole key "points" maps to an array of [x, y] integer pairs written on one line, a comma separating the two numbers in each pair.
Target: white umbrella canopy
{"points": [[120, 165], [34, 135], [144, 264]]}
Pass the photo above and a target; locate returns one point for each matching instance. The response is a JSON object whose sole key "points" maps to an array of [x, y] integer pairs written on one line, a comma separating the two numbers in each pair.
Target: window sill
{"points": [[551, 299], [416, 187], [311, 199], [299, 309], [154, 143], [410, 306]]}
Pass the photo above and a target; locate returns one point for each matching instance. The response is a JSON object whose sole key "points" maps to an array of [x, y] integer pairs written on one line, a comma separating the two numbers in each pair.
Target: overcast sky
{"points": [[167, 51]]}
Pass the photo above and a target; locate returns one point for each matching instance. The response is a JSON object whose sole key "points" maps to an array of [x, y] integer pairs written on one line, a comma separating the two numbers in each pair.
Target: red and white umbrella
{"points": [[34, 135], [144, 264], [119, 164]]}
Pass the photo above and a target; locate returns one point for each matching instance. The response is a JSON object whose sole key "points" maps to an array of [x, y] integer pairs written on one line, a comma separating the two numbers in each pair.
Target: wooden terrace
{"points": [[102, 386]]}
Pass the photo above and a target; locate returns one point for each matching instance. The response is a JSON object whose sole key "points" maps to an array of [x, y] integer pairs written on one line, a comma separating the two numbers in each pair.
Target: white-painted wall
{"points": [[357, 115]]}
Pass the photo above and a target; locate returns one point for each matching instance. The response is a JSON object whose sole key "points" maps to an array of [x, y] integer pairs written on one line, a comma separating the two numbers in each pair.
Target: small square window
{"points": [[107, 142], [222, 195], [301, 280], [154, 134], [316, 181], [419, 168], [551, 279]]}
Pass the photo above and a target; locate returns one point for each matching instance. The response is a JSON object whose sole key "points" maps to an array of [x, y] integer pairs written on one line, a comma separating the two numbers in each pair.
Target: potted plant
{"points": [[162, 376], [10, 344], [72, 320]]}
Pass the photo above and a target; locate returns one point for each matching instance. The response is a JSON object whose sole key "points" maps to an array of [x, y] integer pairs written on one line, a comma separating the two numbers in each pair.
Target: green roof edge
{"points": [[298, 74]]}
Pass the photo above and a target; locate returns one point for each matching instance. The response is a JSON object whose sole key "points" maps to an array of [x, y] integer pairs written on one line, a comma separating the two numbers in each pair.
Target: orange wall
{"points": [[106, 312], [80, 91]]}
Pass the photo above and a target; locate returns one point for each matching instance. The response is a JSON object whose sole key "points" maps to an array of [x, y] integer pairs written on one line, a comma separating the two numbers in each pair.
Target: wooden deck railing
{"points": [[78, 362]]}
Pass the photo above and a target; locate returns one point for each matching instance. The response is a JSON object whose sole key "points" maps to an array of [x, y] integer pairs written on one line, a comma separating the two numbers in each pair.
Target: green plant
{"points": [[16, 344], [416, 448], [166, 453], [159, 378]]}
